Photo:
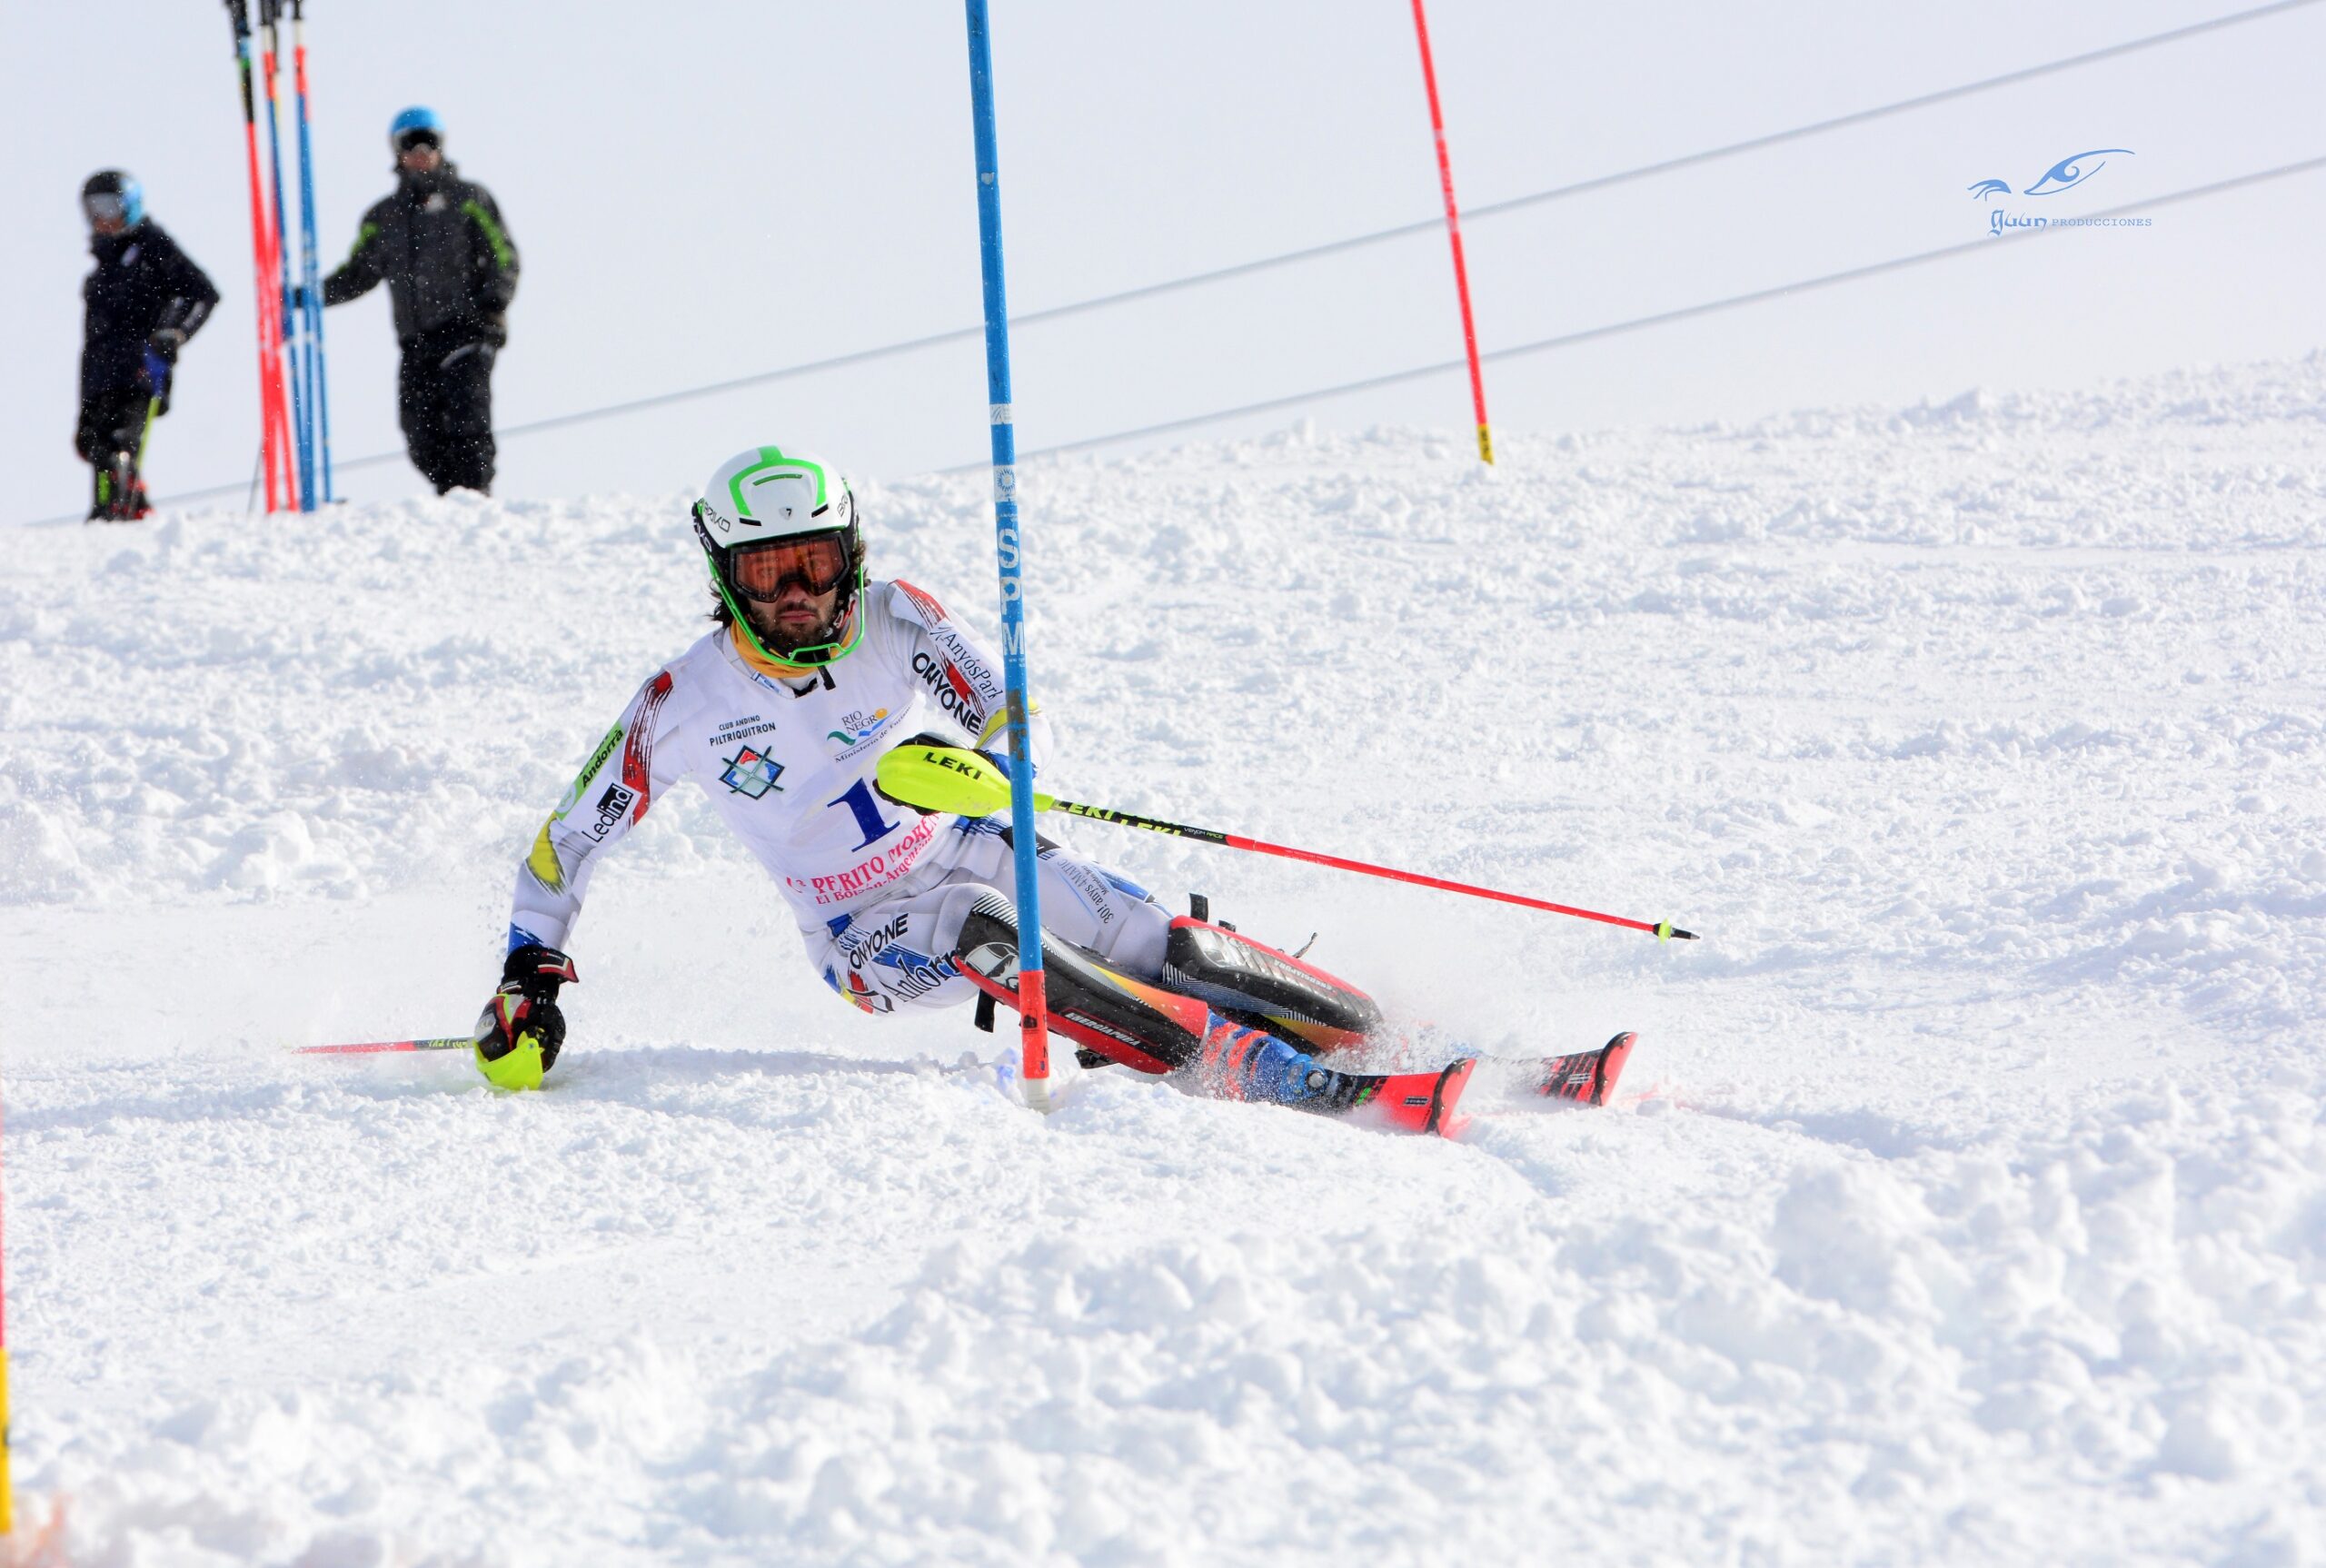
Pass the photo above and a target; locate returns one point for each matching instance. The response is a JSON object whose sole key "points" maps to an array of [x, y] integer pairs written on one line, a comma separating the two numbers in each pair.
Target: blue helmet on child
{"points": [[114, 195], [417, 126]]}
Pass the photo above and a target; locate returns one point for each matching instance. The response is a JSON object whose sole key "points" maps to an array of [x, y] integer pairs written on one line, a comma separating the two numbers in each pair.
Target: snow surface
{"points": [[1966, 1202]]}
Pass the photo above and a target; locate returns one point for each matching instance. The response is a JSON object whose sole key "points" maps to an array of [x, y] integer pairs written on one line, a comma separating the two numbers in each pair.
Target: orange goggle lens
{"points": [[818, 564]]}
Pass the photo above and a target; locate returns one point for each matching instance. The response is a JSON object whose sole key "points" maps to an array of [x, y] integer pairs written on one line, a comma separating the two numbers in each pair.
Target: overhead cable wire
{"points": [[1865, 116], [1568, 339], [1331, 247], [1661, 318], [1401, 230]]}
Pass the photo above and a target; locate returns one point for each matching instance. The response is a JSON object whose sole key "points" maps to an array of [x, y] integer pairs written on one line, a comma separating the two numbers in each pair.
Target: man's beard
{"points": [[778, 642]]}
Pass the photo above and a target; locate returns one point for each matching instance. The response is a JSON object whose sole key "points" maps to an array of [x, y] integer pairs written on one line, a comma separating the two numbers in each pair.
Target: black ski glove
{"points": [[166, 341], [520, 1031], [496, 330]]}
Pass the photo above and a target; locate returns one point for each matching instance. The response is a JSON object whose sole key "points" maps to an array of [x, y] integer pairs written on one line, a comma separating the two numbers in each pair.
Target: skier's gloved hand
{"points": [[520, 1031], [926, 738], [166, 341], [154, 375], [496, 330]]}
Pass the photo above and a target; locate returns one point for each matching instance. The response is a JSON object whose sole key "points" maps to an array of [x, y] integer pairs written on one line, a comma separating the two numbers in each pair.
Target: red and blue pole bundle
{"points": [[1033, 1010], [1453, 232], [274, 457], [238, 13]]}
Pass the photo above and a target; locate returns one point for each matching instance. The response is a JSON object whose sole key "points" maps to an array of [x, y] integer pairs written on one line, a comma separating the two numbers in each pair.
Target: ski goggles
{"points": [[418, 137], [818, 563], [104, 207]]}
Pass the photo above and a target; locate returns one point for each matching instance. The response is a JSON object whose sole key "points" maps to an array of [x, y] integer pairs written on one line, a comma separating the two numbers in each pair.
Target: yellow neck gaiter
{"points": [[781, 669]]}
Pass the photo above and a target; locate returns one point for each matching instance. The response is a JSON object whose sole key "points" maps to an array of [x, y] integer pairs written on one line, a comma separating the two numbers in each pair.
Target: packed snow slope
{"points": [[1966, 1202]]}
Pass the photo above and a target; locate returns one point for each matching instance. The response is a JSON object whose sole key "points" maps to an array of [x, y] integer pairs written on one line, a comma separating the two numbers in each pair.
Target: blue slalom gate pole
{"points": [[311, 274], [1033, 1005], [270, 16]]}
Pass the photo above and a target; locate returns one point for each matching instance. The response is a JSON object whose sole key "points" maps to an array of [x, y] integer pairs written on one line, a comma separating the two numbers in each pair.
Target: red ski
{"points": [[1419, 1102], [1587, 1077]]}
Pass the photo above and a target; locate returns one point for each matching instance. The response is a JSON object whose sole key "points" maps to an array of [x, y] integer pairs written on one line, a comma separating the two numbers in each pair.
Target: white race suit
{"points": [[879, 890]]}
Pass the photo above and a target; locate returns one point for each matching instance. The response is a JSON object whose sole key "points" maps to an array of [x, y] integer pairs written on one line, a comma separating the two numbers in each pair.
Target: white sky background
{"points": [[703, 190]]}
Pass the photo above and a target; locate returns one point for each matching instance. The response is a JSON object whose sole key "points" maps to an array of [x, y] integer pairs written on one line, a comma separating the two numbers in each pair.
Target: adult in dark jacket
{"points": [[451, 268], [141, 304]]}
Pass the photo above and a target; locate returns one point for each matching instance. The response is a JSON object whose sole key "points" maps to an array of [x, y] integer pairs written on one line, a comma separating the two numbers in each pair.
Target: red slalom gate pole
{"points": [[1453, 232], [269, 392], [290, 414], [273, 402]]}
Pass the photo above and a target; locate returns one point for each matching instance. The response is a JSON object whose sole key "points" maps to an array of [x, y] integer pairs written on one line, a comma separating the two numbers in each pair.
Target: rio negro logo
{"points": [[857, 727]]}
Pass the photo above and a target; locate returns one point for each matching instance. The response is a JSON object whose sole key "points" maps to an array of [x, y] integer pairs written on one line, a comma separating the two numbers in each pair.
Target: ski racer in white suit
{"points": [[780, 715]]}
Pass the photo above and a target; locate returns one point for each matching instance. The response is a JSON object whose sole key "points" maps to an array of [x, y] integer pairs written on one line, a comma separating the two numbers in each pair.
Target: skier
{"points": [[780, 713], [144, 301], [440, 245]]}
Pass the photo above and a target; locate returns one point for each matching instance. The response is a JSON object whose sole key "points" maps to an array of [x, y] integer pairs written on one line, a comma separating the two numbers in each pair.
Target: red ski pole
{"points": [[1453, 232], [383, 1047], [1664, 929], [946, 779]]}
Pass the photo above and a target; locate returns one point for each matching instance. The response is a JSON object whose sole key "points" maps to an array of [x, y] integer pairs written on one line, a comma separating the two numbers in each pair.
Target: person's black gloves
{"points": [[520, 1031], [166, 343], [496, 330]]}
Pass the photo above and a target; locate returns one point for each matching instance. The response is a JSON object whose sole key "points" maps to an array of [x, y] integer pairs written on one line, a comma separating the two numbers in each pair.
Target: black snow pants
{"points": [[111, 422], [444, 403]]}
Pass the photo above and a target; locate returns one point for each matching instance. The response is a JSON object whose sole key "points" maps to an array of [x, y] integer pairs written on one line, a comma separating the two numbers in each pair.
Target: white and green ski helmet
{"points": [[767, 494]]}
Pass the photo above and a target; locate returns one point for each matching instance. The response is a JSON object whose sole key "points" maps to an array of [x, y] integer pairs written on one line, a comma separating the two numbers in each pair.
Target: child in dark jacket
{"points": [[142, 301]]}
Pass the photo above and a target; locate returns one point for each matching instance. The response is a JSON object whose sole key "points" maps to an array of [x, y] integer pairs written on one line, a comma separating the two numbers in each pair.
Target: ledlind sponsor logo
{"points": [[2075, 170], [612, 807]]}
